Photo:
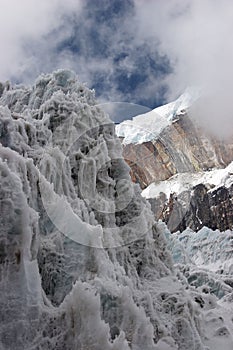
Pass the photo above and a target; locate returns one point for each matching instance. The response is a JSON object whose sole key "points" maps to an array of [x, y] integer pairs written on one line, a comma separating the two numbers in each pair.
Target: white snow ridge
{"points": [[148, 126], [82, 263]]}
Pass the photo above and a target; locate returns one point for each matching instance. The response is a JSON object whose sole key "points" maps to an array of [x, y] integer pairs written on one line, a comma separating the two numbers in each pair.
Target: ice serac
{"points": [[204, 262], [82, 265]]}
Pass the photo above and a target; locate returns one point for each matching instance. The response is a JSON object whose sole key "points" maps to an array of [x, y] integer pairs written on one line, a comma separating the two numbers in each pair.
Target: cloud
{"points": [[97, 39], [195, 35], [137, 51], [109, 55], [26, 23]]}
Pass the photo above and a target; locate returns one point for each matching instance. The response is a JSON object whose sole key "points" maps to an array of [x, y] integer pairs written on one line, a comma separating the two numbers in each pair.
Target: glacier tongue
{"points": [[83, 265]]}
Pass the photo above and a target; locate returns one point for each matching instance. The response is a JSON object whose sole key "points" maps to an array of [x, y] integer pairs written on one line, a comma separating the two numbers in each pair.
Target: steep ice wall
{"points": [[82, 265]]}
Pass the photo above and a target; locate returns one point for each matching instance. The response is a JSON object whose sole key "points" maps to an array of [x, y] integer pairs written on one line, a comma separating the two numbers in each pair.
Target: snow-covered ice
{"points": [[148, 126]]}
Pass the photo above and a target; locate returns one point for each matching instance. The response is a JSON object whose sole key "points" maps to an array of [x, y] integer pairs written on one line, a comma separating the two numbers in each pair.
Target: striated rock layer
{"points": [[181, 147], [82, 264]]}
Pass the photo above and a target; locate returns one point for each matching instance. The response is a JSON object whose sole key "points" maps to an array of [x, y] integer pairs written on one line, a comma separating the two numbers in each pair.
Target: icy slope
{"points": [[82, 264], [148, 126]]}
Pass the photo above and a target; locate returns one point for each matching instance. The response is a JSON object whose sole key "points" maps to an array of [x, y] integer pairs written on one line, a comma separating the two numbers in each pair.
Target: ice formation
{"points": [[205, 263], [83, 266]]}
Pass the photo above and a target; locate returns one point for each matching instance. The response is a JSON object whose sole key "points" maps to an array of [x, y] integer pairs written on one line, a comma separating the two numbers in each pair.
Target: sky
{"points": [[145, 52]]}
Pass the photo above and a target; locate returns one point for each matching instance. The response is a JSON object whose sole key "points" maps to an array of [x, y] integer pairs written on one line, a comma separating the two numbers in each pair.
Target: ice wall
{"points": [[82, 264]]}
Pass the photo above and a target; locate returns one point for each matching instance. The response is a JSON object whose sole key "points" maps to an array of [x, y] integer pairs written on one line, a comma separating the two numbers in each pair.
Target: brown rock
{"points": [[181, 147]]}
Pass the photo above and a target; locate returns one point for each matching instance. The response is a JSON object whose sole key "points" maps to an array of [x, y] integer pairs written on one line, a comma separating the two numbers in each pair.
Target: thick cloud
{"points": [[129, 50], [98, 39], [196, 37], [194, 34], [26, 23]]}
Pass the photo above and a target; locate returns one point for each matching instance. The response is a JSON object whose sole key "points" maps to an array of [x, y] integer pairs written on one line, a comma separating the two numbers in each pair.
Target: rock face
{"points": [[181, 147], [82, 264], [196, 209]]}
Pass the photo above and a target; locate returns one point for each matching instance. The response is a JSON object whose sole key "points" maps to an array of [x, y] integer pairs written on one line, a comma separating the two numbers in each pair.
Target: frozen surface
{"points": [[148, 126], [83, 265], [205, 261]]}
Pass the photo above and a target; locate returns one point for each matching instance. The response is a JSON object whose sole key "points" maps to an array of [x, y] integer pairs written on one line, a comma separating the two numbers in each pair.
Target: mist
{"points": [[24, 30], [196, 37]]}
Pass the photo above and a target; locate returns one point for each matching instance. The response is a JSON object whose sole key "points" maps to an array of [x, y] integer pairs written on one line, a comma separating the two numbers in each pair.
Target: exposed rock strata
{"points": [[181, 147]]}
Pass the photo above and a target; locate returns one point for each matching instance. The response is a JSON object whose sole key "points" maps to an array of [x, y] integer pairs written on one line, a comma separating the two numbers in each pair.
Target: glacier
{"points": [[83, 264]]}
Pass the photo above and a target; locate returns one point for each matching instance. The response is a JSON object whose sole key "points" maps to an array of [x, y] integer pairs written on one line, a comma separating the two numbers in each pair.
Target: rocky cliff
{"points": [[166, 142], [182, 146], [195, 209]]}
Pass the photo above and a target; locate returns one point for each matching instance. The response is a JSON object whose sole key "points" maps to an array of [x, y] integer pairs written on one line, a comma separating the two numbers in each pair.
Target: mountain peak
{"points": [[149, 126]]}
